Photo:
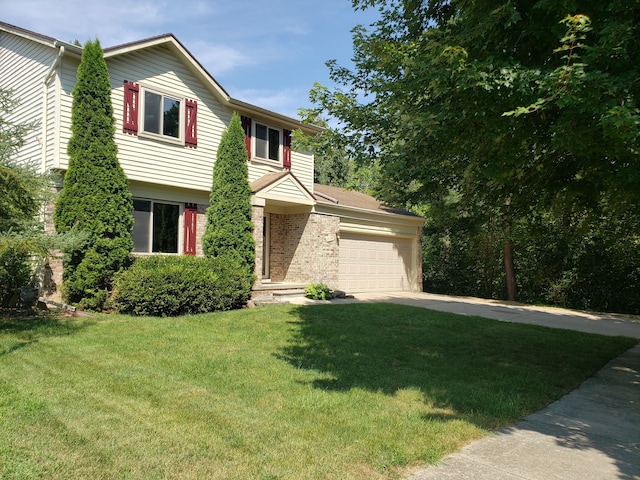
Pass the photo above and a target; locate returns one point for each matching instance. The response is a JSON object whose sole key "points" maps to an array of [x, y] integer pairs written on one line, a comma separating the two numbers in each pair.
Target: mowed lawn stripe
{"points": [[356, 391]]}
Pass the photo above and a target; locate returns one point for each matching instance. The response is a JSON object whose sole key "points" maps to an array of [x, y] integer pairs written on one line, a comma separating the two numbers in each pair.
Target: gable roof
{"points": [[177, 48], [282, 187], [39, 38]]}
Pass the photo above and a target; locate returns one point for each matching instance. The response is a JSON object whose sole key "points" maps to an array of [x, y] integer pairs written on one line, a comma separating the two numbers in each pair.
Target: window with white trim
{"points": [[167, 117], [161, 114], [267, 142], [156, 226]]}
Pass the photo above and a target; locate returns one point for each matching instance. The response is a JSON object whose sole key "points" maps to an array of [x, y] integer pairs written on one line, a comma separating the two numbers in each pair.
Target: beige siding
{"points": [[148, 160], [24, 66], [302, 168], [168, 194], [66, 82], [153, 160], [52, 98], [289, 189]]}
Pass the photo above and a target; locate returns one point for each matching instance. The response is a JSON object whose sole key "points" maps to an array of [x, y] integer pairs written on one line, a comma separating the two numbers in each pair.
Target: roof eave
{"points": [[414, 219], [170, 41], [289, 121]]}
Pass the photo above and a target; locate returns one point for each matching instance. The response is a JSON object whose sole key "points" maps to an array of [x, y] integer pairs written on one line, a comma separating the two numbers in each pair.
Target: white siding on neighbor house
{"points": [[24, 64], [152, 160]]}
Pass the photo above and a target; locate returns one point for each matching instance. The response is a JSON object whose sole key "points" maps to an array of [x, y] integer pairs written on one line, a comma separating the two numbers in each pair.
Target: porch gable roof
{"points": [[281, 188]]}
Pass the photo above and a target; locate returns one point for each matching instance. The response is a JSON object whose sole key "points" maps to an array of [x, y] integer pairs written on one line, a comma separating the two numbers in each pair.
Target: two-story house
{"points": [[170, 115]]}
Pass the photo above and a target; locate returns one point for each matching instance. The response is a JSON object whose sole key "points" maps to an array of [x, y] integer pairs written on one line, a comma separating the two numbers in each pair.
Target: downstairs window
{"points": [[156, 227]]}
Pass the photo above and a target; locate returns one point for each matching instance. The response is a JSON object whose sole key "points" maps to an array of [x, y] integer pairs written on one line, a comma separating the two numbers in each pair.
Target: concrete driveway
{"points": [[603, 324], [591, 433]]}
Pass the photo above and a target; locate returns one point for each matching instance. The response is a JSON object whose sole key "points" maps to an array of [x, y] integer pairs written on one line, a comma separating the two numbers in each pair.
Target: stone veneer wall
{"points": [[304, 248], [50, 276]]}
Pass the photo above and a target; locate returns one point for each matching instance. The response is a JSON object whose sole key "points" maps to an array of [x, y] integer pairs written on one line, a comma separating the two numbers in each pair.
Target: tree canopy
{"points": [[433, 80], [503, 108]]}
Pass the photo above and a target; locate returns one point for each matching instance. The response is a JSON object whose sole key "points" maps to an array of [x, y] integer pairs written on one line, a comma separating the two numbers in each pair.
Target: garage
{"points": [[370, 263]]}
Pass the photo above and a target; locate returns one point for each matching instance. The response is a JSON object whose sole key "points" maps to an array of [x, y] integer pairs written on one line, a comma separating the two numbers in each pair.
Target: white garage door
{"points": [[371, 263]]}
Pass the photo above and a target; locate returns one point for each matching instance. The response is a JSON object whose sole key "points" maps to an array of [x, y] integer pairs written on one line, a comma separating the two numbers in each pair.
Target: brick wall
{"points": [[257, 216], [201, 225], [304, 248]]}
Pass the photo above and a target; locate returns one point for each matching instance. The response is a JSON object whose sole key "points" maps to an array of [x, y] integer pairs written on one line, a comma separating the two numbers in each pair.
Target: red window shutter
{"points": [[190, 222], [286, 157], [191, 123], [130, 114], [246, 126]]}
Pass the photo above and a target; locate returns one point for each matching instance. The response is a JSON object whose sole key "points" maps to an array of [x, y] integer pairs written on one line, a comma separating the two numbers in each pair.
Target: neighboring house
{"points": [[170, 116]]}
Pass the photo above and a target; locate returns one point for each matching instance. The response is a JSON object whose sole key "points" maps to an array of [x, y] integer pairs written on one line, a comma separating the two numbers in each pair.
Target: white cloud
{"points": [[284, 101], [218, 59]]}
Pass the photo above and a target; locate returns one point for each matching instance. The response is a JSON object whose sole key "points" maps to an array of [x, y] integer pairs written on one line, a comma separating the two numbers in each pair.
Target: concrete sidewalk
{"points": [[592, 433]]}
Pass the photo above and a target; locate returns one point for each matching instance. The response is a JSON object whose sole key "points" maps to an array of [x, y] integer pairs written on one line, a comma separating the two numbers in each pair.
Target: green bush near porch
{"points": [[318, 291], [166, 286]]}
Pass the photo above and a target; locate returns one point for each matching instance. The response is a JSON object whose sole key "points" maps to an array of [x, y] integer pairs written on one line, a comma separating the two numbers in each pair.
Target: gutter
{"points": [[326, 197]]}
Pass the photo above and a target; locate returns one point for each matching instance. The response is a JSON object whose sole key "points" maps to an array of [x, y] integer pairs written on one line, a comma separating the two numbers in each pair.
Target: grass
{"points": [[360, 391]]}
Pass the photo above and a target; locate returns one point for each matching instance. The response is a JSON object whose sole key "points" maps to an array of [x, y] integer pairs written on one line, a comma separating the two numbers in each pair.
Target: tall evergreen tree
{"points": [[95, 198], [229, 226]]}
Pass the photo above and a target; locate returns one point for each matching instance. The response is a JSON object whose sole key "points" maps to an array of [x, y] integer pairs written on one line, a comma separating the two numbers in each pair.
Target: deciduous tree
{"points": [[433, 81]]}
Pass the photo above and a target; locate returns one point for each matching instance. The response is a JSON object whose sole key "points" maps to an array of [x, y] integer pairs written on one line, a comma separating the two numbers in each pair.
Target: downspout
{"points": [[45, 91]]}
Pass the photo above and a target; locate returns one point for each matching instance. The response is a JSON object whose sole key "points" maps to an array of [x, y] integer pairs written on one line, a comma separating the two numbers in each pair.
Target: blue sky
{"points": [[268, 53]]}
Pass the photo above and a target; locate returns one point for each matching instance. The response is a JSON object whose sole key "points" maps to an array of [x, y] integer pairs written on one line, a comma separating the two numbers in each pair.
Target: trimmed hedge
{"points": [[164, 286]]}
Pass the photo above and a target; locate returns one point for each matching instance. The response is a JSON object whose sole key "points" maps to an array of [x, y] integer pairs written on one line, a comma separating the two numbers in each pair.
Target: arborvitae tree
{"points": [[229, 226], [95, 198]]}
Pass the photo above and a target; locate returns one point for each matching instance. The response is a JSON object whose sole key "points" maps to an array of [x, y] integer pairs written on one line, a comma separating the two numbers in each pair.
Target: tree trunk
{"points": [[509, 268], [510, 272]]}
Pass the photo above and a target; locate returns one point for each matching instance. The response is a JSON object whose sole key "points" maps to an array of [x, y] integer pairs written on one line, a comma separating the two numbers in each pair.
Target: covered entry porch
{"points": [[294, 244]]}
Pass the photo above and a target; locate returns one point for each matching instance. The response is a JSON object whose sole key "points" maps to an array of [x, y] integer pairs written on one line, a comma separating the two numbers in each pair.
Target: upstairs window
{"points": [[161, 114], [169, 117], [267, 142]]}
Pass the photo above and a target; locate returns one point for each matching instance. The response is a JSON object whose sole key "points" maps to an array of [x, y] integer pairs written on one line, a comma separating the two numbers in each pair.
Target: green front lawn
{"points": [[358, 391]]}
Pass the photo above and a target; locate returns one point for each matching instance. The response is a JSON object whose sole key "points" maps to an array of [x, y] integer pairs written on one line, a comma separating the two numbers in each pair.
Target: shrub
{"points": [[15, 272], [178, 285], [318, 291]]}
